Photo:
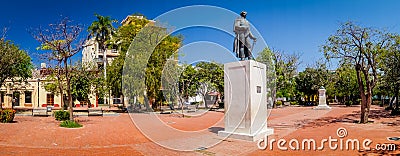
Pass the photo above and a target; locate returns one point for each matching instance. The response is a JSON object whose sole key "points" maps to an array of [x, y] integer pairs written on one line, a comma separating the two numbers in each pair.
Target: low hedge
{"points": [[7, 115]]}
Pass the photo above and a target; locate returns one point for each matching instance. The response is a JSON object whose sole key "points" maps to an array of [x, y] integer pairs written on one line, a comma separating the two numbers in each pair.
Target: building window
{"points": [[28, 97], [50, 99]]}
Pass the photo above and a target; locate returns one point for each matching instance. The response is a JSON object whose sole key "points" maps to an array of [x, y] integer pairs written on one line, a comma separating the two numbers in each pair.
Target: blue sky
{"points": [[300, 26]]}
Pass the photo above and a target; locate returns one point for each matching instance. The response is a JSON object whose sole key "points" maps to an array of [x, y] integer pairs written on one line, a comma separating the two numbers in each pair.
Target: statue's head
{"points": [[243, 14]]}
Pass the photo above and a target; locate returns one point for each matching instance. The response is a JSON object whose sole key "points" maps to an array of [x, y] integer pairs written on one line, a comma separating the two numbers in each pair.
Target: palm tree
{"points": [[102, 31]]}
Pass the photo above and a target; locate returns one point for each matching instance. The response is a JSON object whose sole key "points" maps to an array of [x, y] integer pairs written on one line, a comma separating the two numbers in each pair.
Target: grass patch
{"points": [[70, 124], [204, 152]]}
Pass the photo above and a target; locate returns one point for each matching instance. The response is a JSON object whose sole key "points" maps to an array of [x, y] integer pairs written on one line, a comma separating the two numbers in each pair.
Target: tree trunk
{"points": [[397, 97], [60, 85], [273, 98], [71, 110], [367, 105], [344, 99], [205, 102], [365, 98], [364, 114], [391, 102], [62, 95], [1, 83]]}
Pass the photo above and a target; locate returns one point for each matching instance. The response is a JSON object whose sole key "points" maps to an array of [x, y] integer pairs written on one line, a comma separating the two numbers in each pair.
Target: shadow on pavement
{"points": [[215, 129]]}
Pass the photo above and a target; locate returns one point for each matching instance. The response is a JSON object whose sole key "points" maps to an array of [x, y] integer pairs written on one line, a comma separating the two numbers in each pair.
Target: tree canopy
{"points": [[60, 42], [14, 62], [361, 46]]}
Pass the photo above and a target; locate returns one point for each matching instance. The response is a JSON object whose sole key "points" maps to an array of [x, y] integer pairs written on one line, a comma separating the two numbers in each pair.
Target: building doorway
{"points": [[50, 99], [15, 99]]}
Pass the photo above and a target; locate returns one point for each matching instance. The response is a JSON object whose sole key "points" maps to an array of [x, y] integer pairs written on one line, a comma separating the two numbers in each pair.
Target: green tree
{"points": [[345, 83], [210, 77], [81, 83], [170, 81], [390, 66], [61, 42], [311, 79], [188, 83], [362, 47], [144, 63], [102, 31], [123, 36], [55, 83], [285, 68], [268, 58], [126, 33], [15, 63], [167, 48]]}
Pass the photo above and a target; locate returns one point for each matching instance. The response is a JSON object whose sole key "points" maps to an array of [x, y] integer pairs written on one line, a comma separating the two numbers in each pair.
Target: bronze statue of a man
{"points": [[242, 46]]}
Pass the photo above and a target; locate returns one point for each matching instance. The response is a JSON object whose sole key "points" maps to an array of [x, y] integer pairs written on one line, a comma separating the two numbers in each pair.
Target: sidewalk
{"points": [[118, 135]]}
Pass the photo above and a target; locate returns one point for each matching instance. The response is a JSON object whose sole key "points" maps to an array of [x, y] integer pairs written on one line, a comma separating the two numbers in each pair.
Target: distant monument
{"points": [[322, 99], [241, 45]]}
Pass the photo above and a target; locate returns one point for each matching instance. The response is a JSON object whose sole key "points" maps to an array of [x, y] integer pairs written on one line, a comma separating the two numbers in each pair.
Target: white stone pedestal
{"points": [[322, 99], [245, 101]]}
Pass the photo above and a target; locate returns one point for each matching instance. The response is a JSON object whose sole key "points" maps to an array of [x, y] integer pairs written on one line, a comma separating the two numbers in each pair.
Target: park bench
{"points": [[166, 110], [95, 112], [39, 112], [192, 108]]}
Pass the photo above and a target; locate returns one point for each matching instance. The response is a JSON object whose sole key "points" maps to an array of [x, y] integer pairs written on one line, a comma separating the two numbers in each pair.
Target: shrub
{"points": [[375, 102], [7, 115], [389, 108], [357, 102], [395, 112], [294, 103], [194, 103], [70, 124], [221, 105], [61, 115], [278, 103], [349, 103]]}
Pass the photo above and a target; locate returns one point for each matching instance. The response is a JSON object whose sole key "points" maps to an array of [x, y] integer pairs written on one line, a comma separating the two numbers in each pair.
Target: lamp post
{"points": [[105, 76], [38, 83]]}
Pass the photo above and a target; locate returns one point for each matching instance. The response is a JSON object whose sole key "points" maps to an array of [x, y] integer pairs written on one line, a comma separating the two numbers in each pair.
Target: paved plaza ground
{"points": [[117, 135]]}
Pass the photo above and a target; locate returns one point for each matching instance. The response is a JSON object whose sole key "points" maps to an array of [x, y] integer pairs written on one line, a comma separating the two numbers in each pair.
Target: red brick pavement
{"points": [[117, 135]]}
